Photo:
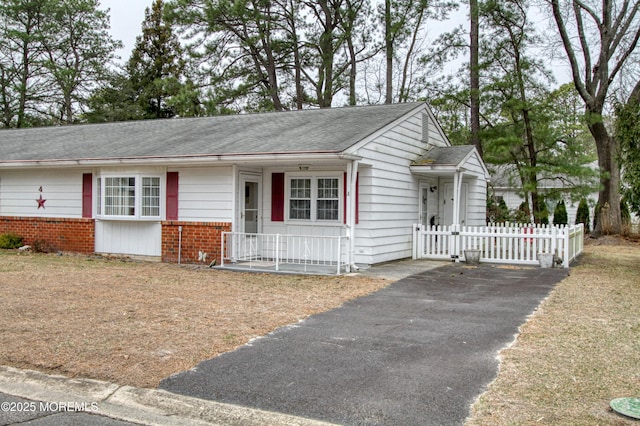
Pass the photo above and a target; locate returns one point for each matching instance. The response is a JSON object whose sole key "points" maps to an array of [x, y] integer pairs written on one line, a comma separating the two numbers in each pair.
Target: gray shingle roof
{"points": [[320, 130], [445, 156]]}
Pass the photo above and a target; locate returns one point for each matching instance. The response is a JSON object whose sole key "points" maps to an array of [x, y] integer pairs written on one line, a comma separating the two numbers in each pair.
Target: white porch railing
{"points": [[506, 243], [273, 252]]}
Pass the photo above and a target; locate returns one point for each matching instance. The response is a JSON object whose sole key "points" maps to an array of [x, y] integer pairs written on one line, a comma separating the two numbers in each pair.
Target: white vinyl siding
{"points": [[389, 192], [205, 194], [62, 190], [142, 238]]}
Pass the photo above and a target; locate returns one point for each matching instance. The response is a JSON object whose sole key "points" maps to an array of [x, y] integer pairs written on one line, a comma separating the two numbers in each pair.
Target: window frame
{"points": [[314, 178], [158, 193]]}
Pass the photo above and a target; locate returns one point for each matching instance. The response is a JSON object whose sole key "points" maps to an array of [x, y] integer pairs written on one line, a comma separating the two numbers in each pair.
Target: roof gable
{"points": [[306, 131]]}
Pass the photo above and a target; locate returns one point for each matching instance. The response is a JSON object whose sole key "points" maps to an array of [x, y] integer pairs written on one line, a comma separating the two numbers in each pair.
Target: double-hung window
{"points": [[314, 198], [135, 197]]}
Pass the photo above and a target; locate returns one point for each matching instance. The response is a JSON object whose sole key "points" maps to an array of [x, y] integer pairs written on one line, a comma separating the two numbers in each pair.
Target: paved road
{"points": [[415, 353], [39, 413]]}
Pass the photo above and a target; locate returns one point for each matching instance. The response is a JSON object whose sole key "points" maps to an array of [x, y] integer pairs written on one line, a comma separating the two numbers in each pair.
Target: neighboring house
{"points": [[505, 185], [146, 187]]}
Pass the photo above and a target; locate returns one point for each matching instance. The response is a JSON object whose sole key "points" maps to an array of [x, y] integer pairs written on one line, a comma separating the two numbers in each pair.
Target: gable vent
{"points": [[425, 128]]}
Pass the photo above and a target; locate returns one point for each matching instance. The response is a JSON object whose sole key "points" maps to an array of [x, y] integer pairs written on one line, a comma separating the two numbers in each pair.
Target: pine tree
{"points": [[560, 214], [156, 65], [582, 215]]}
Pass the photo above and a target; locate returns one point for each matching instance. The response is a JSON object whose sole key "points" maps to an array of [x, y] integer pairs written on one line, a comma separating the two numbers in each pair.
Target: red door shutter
{"points": [[344, 202], [277, 197], [172, 195], [87, 195]]}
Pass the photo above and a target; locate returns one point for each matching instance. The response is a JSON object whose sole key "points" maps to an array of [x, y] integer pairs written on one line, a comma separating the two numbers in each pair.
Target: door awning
{"points": [[446, 160]]}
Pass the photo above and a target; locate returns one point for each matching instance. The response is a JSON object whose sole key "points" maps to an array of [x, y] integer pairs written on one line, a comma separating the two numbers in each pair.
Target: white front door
{"points": [[429, 203], [250, 203], [448, 203]]}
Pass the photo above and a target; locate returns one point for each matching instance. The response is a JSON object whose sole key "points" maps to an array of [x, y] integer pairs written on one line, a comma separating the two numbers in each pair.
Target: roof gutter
{"points": [[183, 159]]}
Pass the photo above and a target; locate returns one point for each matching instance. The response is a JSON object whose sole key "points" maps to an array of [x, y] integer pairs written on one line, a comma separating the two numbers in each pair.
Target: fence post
{"points": [[414, 230], [277, 252], [222, 250], [567, 252], [454, 243], [338, 258]]}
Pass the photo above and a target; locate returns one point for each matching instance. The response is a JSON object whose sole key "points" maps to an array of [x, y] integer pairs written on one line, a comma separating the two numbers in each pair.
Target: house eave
{"points": [[192, 160], [434, 169]]}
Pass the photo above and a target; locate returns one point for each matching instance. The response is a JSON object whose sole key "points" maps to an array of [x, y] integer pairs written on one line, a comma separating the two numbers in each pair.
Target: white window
{"points": [[328, 206], [129, 196], [314, 198], [300, 199]]}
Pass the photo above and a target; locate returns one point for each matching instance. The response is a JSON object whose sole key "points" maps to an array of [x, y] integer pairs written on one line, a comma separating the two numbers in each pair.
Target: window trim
{"points": [[314, 176], [138, 196]]}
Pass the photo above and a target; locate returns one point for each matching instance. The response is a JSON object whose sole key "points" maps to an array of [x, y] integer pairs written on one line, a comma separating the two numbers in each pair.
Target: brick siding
{"points": [[196, 237], [73, 235]]}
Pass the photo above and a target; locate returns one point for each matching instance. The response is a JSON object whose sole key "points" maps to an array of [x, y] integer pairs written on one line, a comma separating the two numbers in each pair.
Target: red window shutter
{"points": [[87, 195], [344, 202], [172, 195], [277, 197]]}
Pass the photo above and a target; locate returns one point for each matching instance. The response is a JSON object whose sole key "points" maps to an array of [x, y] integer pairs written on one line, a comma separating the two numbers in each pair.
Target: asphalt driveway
{"points": [[418, 352]]}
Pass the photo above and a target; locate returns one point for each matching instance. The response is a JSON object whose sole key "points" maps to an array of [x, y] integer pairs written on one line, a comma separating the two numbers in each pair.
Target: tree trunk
{"points": [[475, 76], [607, 213], [388, 48]]}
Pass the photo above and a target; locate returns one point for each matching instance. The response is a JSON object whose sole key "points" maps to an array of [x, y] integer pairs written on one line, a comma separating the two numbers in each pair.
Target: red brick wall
{"points": [[196, 237], [74, 235]]}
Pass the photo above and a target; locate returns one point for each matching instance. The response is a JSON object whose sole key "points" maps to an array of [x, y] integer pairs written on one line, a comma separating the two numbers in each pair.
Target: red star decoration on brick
{"points": [[40, 202]]}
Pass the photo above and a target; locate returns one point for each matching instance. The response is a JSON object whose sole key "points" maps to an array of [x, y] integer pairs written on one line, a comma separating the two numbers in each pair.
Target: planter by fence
{"points": [[546, 260], [472, 256]]}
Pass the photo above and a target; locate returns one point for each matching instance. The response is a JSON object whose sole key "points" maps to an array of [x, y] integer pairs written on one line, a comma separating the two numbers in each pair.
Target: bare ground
{"points": [[135, 323]]}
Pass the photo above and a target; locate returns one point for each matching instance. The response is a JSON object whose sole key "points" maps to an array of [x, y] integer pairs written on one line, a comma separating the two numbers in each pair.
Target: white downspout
{"points": [[352, 177], [457, 185], [457, 190], [234, 198]]}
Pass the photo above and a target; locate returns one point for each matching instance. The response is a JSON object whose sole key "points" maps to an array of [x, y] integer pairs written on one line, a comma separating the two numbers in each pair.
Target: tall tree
{"points": [[78, 50], [474, 74], [598, 39], [241, 46], [627, 132], [20, 58], [156, 65], [404, 26], [327, 41]]}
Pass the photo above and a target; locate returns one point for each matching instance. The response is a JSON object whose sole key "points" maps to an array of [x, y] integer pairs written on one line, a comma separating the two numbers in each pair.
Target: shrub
{"points": [[42, 246], [560, 214], [10, 241], [542, 215], [582, 215]]}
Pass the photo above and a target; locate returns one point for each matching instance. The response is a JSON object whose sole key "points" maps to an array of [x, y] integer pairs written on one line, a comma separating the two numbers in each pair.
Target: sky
{"points": [[126, 21]]}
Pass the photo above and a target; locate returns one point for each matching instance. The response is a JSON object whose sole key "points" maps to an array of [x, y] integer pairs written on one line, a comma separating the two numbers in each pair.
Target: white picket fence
{"points": [[507, 243], [279, 252]]}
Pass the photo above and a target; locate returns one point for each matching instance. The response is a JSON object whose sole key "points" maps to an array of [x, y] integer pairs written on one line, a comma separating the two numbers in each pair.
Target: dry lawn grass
{"points": [[579, 351], [135, 323]]}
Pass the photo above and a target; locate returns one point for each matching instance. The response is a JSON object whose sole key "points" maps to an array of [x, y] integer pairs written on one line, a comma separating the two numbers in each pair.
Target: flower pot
{"points": [[546, 260], [472, 256]]}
